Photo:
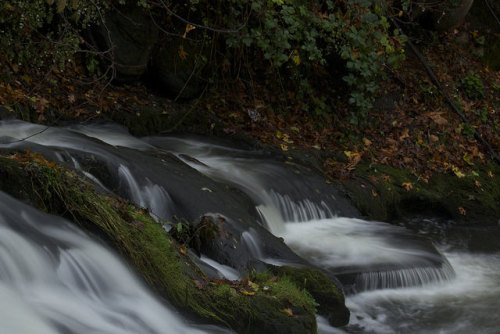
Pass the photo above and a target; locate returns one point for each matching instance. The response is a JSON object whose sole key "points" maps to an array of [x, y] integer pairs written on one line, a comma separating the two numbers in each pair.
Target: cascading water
{"points": [[371, 257], [365, 255], [55, 279]]}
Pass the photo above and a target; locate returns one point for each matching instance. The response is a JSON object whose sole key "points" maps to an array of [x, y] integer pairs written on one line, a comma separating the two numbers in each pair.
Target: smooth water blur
{"points": [[55, 279], [467, 304]]}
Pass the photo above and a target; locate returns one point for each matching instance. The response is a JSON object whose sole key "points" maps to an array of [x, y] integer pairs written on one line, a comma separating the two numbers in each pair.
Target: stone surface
{"points": [[131, 34]]}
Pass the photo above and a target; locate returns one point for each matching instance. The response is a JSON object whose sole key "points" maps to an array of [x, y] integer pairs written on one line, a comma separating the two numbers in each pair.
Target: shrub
{"points": [[473, 86]]}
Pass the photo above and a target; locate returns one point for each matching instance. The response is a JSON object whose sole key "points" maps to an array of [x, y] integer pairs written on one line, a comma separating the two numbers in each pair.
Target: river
{"points": [[56, 279]]}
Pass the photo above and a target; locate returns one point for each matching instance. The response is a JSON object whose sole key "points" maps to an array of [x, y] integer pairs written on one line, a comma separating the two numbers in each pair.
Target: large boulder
{"points": [[442, 14], [484, 17], [131, 35], [452, 13]]}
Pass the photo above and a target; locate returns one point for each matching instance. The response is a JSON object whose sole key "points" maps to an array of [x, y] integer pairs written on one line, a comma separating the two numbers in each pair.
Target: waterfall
{"points": [[55, 279], [60, 280]]}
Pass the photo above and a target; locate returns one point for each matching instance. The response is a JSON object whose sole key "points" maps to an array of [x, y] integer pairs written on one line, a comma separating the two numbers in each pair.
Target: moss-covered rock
{"points": [[385, 193], [331, 301], [163, 263]]}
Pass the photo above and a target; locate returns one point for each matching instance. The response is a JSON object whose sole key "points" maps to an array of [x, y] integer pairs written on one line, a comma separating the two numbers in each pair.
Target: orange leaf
{"points": [[189, 27], [462, 211], [407, 185], [438, 118], [182, 250], [182, 53]]}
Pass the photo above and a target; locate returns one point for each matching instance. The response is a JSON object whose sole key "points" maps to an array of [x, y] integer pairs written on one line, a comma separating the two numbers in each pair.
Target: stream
{"points": [[55, 278]]}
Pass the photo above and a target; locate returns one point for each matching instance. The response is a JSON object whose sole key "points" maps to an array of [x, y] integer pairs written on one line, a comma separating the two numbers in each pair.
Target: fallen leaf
{"points": [[462, 211], [407, 185], [246, 293], [350, 154], [366, 141], [182, 250], [288, 311], [434, 138], [253, 285], [404, 135], [457, 172], [490, 174], [199, 285], [478, 184], [374, 193], [438, 118]]}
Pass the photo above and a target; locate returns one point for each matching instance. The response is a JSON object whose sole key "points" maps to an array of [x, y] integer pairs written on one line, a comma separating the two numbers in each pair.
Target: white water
{"points": [[467, 304], [55, 279]]}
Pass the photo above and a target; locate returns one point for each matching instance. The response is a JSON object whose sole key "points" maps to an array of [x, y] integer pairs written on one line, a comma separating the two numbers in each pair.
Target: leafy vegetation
{"points": [[295, 38]]}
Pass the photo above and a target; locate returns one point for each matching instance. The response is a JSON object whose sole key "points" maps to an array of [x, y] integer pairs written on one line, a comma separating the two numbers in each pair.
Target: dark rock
{"points": [[326, 292], [177, 68], [451, 15], [131, 34], [6, 114]]}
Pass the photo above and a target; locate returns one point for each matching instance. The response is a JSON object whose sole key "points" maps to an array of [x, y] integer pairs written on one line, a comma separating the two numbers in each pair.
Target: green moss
{"points": [[158, 258], [379, 192], [330, 300]]}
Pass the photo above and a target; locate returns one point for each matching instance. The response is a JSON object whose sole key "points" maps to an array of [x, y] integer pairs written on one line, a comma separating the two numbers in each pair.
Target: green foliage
{"points": [[42, 32], [301, 37], [298, 39], [473, 86]]}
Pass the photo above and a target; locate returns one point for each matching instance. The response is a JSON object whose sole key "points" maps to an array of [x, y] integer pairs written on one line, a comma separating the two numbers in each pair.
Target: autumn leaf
{"points": [[284, 147], [490, 174], [366, 141], [182, 53], [457, 172], [288, 311], [199, 285], [253, 285], [438, 118], [467, 160], [354, 159], [462, 211], [404, 135], [374, 193], [246, 293], [182, 250], [407, 185], [478, 184], [189, 27]]}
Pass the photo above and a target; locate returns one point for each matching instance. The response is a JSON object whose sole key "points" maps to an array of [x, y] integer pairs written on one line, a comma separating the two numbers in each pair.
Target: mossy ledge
{"points": [[385, 193], [163, 263]]}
